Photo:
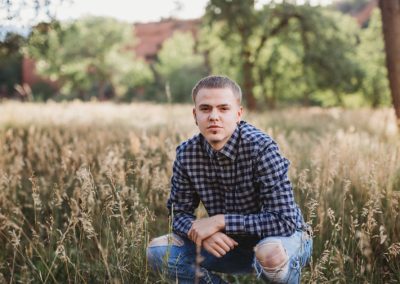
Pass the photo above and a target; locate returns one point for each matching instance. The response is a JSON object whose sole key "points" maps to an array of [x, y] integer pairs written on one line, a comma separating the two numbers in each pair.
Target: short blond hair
{"points": [[217, 82]]}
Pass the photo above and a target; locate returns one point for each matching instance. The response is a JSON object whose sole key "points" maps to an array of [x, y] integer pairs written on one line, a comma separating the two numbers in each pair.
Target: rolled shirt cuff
{"points": [[182, 225], [234, 224]]}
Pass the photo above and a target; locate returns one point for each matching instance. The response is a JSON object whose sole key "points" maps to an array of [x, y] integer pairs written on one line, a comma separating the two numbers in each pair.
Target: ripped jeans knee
{"points": [[280, 259], [272, 257]]}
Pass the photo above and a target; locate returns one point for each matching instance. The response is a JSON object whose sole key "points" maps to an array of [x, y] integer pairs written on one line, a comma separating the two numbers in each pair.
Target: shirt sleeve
{"points": [[278, 209], [182, 201]]}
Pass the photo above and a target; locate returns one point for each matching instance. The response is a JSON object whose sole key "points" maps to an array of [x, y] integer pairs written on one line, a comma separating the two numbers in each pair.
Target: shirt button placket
{"points": [[220, 178], [227, 189]]}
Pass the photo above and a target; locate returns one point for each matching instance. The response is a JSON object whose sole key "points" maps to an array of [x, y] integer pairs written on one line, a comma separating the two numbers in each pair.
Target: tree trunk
{"points": [[81, 95], [274, 91], [271, 102], [207, 63], [102, 91], [390, 10], [306, 98], [248, 81], [376, 98]]}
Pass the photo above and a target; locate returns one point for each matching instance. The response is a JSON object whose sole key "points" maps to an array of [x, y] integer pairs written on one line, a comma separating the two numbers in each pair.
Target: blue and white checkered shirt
{"points": [[246, 181]]}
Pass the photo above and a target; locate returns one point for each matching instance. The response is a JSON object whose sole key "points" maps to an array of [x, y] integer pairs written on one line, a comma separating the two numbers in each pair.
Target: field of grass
{"points": [[83, 188]]}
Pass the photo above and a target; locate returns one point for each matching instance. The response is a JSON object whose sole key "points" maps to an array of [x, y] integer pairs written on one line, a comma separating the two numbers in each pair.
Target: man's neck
{"points": [[217, 147]]}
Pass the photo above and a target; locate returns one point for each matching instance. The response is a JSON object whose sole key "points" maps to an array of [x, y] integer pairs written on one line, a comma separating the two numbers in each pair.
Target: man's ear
{"points": [[239, 114], [194, 115]]}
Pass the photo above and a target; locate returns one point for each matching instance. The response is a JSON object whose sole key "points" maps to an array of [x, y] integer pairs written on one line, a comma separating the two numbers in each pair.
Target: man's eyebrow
{"points": [[204, 105], [218, 106]]}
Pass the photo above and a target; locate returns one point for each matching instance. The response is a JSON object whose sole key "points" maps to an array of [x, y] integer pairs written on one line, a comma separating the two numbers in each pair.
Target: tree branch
{"points": [[276, 30]]}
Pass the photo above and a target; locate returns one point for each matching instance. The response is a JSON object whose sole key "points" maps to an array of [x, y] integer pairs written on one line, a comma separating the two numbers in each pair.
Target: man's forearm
{"points": [[261, 224], [220, 221], [205, 227]]}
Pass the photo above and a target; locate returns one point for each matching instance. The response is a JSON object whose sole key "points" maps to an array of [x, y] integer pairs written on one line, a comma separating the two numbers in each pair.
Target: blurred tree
{"points": [[371, 54], [90, 54], [284, 49], [329, 41], [220, 54], [11, 44], [240, 19], [179, 67], [10, 62], [390, 10]]}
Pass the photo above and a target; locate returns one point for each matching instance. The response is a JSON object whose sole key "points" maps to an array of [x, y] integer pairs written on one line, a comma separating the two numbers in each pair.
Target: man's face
{"points": [[217, 112]]}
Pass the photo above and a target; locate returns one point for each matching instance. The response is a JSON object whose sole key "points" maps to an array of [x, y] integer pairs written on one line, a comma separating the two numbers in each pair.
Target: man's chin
{"points": [[212, 139]]}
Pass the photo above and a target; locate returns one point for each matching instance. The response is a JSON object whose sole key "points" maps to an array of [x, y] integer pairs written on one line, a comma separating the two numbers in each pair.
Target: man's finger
{"points": [[221, 250], [217, 251], [223, 244], [198, 240], [190, 234], [211, 250], [228, 240]]}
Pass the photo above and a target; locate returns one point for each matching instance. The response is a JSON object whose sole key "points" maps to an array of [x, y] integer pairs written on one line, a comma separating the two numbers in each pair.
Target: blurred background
{"points": [[308, 53]]}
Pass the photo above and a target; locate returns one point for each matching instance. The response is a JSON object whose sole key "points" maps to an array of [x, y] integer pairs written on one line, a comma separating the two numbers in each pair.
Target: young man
{"points": [[239, 175]]}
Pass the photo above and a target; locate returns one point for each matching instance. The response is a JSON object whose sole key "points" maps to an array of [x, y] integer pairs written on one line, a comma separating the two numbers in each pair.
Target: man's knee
{"points": [[271, 255], [158, 247], [165, 240]]}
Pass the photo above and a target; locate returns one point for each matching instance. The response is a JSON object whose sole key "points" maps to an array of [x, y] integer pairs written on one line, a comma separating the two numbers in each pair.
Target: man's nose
{"points": [[214, 115]]}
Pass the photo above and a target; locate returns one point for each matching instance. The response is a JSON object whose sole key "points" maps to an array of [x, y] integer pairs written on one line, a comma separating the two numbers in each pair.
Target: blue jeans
{"points": [[175, 256]]}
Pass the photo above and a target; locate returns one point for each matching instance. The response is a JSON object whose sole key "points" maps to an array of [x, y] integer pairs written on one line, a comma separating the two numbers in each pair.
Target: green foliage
{"points": [[43, 91], [221, 53], [330, 52], [280, 54], [10, 62], [371, 54], [88, 55], [285, 51], [179, 66]]}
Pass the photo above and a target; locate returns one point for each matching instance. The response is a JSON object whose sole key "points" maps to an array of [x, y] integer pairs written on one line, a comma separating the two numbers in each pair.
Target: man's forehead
{"points": [[212, 91], [216, 96]]}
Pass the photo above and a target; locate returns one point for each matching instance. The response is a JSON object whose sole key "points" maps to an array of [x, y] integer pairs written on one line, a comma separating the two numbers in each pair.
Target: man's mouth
{"points": [[214, 127]]}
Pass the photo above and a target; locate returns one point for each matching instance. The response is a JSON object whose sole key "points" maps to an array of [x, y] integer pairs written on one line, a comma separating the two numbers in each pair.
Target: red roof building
{"points": [[363, 16], [150, 36]]}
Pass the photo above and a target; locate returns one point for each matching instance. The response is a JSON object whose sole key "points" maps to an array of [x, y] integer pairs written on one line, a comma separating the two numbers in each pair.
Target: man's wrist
{"points": [[220, 218]]}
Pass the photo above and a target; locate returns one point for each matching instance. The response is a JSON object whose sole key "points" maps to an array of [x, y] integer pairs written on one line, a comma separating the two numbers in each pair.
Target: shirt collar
{"points": [[230, 148]]}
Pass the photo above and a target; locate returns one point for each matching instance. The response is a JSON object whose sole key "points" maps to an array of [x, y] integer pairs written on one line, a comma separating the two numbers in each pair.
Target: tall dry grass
{"points": [[83, 188]]}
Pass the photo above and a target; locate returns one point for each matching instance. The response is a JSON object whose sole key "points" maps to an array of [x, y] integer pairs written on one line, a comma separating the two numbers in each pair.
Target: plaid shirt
{"points": [[246, 181]]}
